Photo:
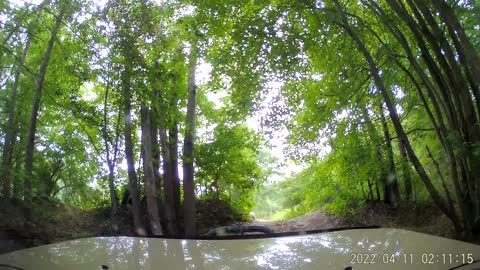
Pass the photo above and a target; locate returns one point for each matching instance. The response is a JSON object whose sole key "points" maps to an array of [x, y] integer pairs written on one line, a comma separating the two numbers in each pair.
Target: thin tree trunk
{"points": [[391, 183], [407, 176], [168, 184], [470, 60], [129, 155], [111, 162], [9, 141], [161, 115], [452, 92], [113, 192], [370, 189], [444, 183], [156, 154], [173, 142], [216, 188], [385, 170], [378, 191], [149, 176], [464, 47], [365, 197], [188, 154], [35, 108], [396, 121]]}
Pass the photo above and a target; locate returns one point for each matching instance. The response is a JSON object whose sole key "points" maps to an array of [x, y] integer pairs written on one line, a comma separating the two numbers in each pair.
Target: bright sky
{"points": [[254, 122]]}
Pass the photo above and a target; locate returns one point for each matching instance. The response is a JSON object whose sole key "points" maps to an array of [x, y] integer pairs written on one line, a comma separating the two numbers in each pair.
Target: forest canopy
{"points": [[149, 105]]}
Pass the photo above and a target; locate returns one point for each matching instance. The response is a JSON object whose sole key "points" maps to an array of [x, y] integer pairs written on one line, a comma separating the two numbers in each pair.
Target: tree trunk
{"points": [[9, 141], [113, 192], [35, 108], [407, 176], [156, 154], [188, 146], [161, 115], [149, 176], [365, 196], [470, 60], [449, 96], [468, 54], [168, 183], [129, 155], [440, 175], [384, 164], [370, 190], [173, 142], [392, 192], [396, 121], [111, 162], [17, 181], [378, 191]]}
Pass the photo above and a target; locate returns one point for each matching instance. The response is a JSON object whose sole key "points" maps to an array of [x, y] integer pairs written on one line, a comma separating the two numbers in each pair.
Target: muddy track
{"points": [[315, 221]]}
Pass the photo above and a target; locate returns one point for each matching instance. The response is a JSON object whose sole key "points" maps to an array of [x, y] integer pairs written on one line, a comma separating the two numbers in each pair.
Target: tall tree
{"points": [[111, 146], [173, 151], [129, 154], [380, 85], [9, 140], [405, 166], [188, 146], [449, 86], [392, 192], [149, 176], [160, 117], [36, 103]]}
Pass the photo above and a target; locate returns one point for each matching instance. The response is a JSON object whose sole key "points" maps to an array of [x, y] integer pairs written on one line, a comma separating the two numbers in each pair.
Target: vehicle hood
{"points": [[330, 250]]}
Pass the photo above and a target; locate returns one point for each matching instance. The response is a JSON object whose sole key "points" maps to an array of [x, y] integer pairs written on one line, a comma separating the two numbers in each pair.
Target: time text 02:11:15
{"points": [[406, 258]]}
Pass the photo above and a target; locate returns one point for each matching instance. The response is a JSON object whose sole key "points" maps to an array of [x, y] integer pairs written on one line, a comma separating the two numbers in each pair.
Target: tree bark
{"points": [[407, 176], [188, 154], [378, 191], [173, 149], [149, 176], [465, 48], [168, 184], [156, 154], [470, 60], [444, 183], [129, 155], [111, 162], [395, 119], [452, 93], [384, 163], [35, 108], [392, 192], [9, 141], [161, 115], [370, 190]]}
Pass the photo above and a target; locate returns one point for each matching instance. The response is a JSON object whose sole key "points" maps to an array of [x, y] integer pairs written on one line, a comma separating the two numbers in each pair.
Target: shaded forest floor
{"points": [[62, 223]]}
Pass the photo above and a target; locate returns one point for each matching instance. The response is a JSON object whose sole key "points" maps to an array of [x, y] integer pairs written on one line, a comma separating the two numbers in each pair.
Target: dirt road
{"points": [[314, 221]]}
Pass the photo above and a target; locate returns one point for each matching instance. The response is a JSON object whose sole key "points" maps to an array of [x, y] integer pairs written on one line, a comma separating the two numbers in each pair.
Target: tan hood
{"points": [[359, 248]]}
